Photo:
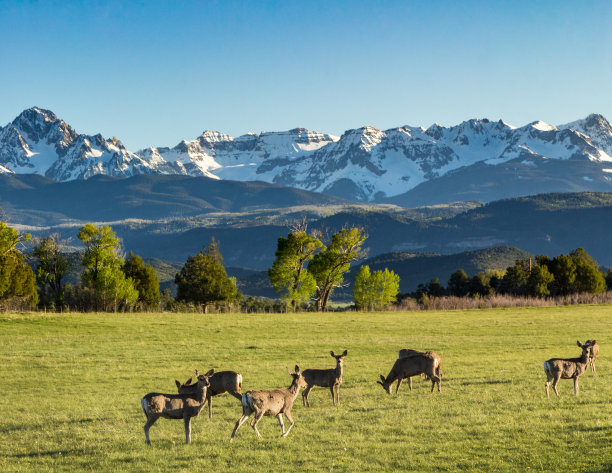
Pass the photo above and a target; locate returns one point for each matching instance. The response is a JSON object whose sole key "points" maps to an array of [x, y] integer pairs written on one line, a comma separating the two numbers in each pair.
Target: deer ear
{"points": [[210, 373], [297, 369], [380, 383], [345, 352], [593, 342], [188, 381], [383, 378], [178, 384], [332, 354], [195, 373], [579, 344]]}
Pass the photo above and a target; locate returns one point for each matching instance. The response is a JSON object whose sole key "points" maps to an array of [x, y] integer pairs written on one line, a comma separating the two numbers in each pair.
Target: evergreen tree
{"points": [[479, 285], [539, 281], [288, 273], [203, 278], [515, 280], [145, 279], [329, 266], [459, 284], [563, 269]]}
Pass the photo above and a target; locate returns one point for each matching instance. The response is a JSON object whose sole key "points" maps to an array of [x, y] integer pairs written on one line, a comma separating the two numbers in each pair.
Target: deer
{"points": [[406, 352], [412, 366], [567, 368], [330, 378], [176, 406], [221, 382], [594, 353], [275, 402]]}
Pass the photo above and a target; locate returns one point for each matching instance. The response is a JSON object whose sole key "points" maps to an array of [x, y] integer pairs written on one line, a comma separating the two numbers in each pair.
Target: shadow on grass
{"points": [[52, 453], [494, 381]]}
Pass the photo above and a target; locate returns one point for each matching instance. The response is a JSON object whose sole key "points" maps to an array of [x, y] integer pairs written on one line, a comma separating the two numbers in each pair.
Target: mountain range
{"points": [[478, 159]]}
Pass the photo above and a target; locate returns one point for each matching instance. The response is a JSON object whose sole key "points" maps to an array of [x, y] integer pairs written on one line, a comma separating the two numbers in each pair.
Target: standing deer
{"points": [[275, 402], [331, 378], [221, 382], [566, 368], [176, 406], [594, 353], [406, 352], [412, 366]]}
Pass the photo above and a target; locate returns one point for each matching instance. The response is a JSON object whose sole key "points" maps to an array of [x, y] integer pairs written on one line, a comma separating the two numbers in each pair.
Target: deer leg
{"points": [[239, 423], [209, 399], [280, 421], [256, 420], [554, 385], [305, 394], [337, 394], [593, 365], [410, 383], [399, 382], [576, 386], [290, 419], [150, 421], [331, 388], [187, 420]]}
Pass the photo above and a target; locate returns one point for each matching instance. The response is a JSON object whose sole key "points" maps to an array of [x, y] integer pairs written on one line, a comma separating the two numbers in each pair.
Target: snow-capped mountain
{"points": [[364, 164]]}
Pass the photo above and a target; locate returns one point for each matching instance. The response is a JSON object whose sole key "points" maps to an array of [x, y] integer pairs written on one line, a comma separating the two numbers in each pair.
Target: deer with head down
{"points": [[406, 352], [330, 378], [221, 382], [566, 368], [411, 366], [176, 406], [275, 402]]}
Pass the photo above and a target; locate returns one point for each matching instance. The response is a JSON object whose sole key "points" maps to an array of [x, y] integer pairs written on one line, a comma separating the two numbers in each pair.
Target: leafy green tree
{"points": [[329, 266], [515, 280], [588, 278], [53, 265], [145, 279], [459, 284], [479, 285], [375, 291], [16, 278], [563, 269], [102, 263], [203, 278], [288, 272], [539, 281], [609, 279]]}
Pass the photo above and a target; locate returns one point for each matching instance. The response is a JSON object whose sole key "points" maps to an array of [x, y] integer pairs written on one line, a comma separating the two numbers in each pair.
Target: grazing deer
{"points": [[275, 402], [331, 378], [594, 353], [175, 406], [566, 368], [406, 352], [221, 382], [411, 366]]}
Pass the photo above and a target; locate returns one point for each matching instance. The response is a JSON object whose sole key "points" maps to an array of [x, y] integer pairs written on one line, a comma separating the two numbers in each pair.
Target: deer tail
{"points": [[144, 404]]}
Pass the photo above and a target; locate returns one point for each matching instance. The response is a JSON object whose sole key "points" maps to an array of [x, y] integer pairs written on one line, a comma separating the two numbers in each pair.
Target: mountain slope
{"points": [[363, 164]]}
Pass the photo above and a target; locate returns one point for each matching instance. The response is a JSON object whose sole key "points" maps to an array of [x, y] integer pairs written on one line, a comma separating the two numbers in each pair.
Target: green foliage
{"points": [[53, 265], [538, 281], [329, 266], [515, 280], [479, 285], [103, 271], [16, 278], [375, 291], [288, 273], [203, 278], [145, 280], [459, 284]]}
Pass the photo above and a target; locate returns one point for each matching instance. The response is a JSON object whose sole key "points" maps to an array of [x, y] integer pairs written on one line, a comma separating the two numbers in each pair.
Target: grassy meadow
{"points": [[72, 383]]}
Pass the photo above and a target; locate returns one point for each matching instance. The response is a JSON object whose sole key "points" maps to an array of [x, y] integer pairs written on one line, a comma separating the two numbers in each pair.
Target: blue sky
{"points": [[153, 73]]}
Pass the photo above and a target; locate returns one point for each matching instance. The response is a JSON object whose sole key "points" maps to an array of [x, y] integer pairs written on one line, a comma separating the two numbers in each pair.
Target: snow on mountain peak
{"points": [[542, 126]]}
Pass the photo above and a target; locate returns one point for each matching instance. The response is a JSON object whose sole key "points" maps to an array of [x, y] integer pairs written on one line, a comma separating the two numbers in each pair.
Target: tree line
{"points": [[563, 275], [305, 272]]}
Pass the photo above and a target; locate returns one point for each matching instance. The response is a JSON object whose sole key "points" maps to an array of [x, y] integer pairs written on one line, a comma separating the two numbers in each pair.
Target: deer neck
{"points": [[294, 389], [339, 369]]}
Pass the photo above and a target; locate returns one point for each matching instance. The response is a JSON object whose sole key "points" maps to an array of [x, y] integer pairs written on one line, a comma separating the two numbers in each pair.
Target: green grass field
{"points": [[71, 389]]}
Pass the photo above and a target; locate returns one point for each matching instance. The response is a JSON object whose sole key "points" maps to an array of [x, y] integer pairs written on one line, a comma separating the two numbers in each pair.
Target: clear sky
{"points": [[153, 73]]}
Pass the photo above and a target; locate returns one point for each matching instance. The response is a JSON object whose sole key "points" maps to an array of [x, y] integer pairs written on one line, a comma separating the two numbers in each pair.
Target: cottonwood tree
{"points": [[288, 273], [102, 262], [329, 266], [53, 265], [145, 279], [203, 278], [375, 291], [539, 281], [16, 278]]}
